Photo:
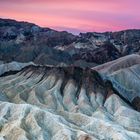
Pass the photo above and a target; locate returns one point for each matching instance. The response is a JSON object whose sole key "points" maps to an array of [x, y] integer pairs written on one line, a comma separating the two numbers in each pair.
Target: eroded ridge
{"points": [[63, 103]]}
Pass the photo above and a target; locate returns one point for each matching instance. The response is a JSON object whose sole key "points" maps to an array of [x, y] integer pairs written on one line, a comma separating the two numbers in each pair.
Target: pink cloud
{"points": [[75, 16]]}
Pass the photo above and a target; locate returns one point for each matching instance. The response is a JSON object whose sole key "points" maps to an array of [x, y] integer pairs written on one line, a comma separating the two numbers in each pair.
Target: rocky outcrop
{"points": [[25, 42], [42, 103], [124, 76], [103, 47], [119, 64], [13, 66]]}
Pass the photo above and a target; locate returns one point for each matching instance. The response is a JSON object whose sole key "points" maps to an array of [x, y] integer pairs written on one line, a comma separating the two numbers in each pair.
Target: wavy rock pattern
{"points": [[54, 103], [124, 76], [119, 64]]}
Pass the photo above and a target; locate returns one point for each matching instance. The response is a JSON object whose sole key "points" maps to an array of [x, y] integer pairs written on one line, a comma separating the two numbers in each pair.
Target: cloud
{"points": [[75, 16]]}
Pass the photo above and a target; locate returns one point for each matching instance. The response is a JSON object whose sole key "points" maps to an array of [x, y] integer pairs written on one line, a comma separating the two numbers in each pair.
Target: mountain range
{"points": [[59, 86], [24, 42]]}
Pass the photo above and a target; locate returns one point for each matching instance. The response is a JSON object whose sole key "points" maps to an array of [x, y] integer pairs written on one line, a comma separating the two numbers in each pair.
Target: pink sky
{"points": [[75, 15]]}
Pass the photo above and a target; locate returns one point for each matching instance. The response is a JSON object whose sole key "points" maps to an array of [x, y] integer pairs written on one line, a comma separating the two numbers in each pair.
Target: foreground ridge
{"points": [[46, 102]]}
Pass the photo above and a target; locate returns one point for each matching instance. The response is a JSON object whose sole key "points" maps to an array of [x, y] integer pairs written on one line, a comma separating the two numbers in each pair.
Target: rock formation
{"points": [[53, 88], [67, 103], [25, 42]]}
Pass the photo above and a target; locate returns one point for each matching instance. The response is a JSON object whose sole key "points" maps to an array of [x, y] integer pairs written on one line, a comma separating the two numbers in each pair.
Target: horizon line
{"points": [[68, 31]]}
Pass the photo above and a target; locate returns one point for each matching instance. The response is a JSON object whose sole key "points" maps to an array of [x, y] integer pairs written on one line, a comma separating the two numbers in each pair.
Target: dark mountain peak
{"points": [[23, 41]]}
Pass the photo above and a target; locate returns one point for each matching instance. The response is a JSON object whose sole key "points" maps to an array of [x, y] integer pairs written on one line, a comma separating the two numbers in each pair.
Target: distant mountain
{"points": [[24, 42]]}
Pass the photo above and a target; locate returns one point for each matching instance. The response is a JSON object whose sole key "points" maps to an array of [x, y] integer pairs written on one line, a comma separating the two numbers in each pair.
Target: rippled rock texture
{"points": [[124, 77], [67, 103]]}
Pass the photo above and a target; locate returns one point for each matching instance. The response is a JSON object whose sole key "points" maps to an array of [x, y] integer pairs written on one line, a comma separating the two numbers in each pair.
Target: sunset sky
{"points": [[75, 15]]}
